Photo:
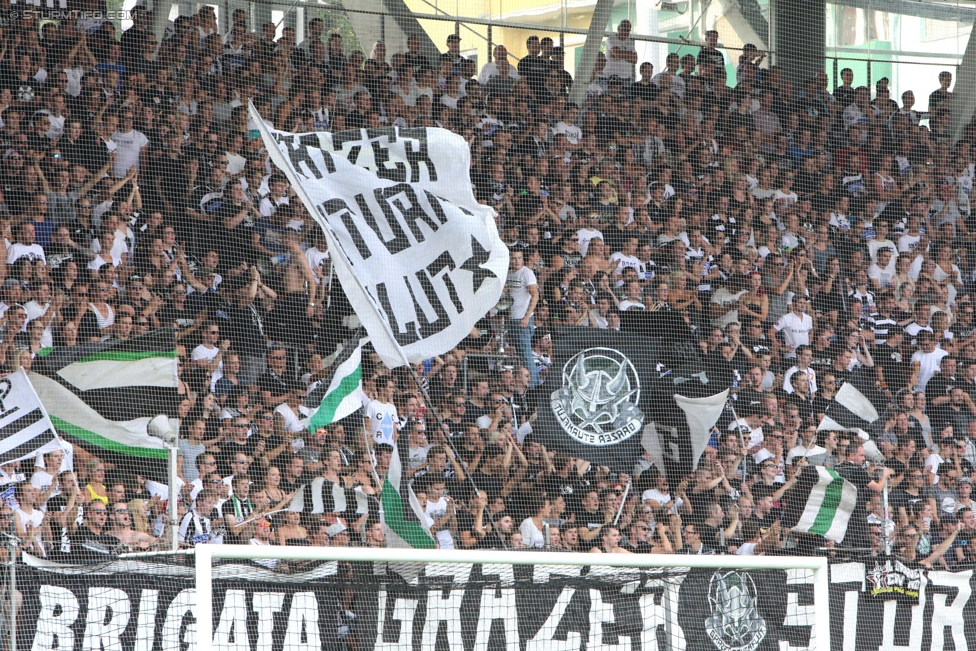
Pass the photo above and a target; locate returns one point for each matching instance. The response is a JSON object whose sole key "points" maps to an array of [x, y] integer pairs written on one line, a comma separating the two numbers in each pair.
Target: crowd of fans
{"points": [[796, 238]]}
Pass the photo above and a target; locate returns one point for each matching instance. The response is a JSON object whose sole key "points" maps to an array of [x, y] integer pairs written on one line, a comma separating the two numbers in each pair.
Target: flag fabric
{"points": [[342, 395], [103, 395], [593, 401], [419, 259], [323, 496], [25, 428], [820, 502], [701, 414], [404, 521], [849, 411]]}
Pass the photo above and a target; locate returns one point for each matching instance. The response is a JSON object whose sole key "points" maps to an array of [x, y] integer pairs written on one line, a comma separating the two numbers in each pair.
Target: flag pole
{"points": [[372, 456], [623, 501], [738, 427], [278, 158]]}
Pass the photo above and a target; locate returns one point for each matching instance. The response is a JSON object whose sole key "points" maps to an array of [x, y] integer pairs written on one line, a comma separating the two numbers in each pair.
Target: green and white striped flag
{"points": [[103, 395], [342, 395], [821, 502], [404, 521]]}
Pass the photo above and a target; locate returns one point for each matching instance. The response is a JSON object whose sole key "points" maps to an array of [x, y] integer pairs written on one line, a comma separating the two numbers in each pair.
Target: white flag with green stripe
{"points": [[341, 395], [103, 395], [821, 502]]}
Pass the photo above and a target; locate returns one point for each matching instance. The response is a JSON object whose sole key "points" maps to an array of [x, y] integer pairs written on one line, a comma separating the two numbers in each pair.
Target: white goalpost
{"points": [[732, 575]]}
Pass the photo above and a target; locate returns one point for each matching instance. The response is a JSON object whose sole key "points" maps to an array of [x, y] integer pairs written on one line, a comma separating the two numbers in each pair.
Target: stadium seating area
{"points": [[798, 237]]}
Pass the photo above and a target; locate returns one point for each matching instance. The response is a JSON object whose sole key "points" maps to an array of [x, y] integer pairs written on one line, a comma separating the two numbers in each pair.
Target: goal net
{"points": [[381, 599]]}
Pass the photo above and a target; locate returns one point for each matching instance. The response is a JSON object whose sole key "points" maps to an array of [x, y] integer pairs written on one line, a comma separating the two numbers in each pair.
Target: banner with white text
{"points": [[455, 607]]}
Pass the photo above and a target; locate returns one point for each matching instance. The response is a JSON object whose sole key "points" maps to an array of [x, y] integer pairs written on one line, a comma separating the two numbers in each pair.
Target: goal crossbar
{"points": [[205, 555]]}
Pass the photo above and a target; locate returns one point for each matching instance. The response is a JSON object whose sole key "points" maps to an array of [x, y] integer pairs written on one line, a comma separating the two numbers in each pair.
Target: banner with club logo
{"points": [[605, 401], [147, 606], [594, 402]]}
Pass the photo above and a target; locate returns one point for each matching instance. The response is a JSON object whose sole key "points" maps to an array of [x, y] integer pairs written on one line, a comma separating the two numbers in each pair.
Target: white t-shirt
{"points": [[572, 132], [35, 311], [531, 535], [41, 480], [623, 261], [202, 352], [292, 420], [383, 421], [928, 365], [315, 259], [662, 498], [17, 250], [518, 288], [811, 376], [436, 511], [128, 147], [619, 67], [584, 235], [796, 330]]}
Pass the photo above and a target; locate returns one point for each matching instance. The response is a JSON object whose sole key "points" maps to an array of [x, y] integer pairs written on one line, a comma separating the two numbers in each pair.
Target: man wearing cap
{"points": [[453, 49], [621, 54]]}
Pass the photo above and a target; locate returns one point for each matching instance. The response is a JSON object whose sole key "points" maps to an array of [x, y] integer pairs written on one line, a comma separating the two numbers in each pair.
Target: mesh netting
{"points": [[452, 284]]}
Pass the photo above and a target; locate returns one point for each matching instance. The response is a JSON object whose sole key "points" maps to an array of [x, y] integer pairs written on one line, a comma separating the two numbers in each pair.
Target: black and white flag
{"points": [[850, 411], [418, 257], [25, 428], [593, 402], [323, 496]]}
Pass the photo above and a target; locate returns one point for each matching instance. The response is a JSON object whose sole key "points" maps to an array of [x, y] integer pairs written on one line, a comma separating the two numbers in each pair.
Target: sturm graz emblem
{"points": [[597, 403], [735, 624]]}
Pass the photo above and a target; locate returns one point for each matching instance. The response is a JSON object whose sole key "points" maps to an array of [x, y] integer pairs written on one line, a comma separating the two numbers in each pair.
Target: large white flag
{"points": [[25, 428], [419, 258]]}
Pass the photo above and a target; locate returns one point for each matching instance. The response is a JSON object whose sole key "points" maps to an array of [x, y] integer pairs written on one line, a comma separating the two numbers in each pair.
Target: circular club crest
{"points": [[597, 403], [734, 623]]}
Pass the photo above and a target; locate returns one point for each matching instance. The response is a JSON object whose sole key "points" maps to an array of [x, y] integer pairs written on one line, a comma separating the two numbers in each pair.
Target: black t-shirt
{"points": [[534, 71], [902, 498], [244, 329], [465, 522], [23, 90], [939, 386], [857, 529], [227, 451], [893, 365], [710, 535], [488, 483], [88, 546], [234, 244], [273, 383]]}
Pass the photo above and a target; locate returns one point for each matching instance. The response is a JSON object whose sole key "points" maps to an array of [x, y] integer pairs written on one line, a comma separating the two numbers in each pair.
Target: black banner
{"points": [[456, 607], [594, 403]]}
